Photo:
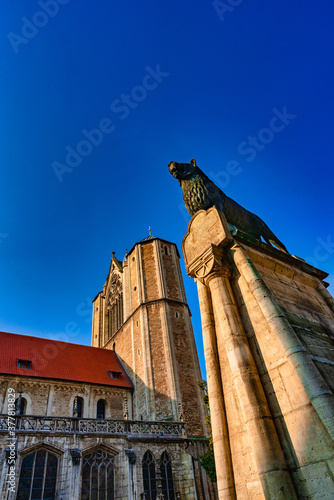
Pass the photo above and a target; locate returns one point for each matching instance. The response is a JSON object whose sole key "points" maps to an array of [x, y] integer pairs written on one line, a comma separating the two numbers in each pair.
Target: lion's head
{"points": [[182, 170]]}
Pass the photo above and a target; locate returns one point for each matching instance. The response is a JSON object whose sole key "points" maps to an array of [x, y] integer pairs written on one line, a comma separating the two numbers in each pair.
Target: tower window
{"points": [[176, 315], [24, 363], [134, 288], [115, 307], [166, 250]]}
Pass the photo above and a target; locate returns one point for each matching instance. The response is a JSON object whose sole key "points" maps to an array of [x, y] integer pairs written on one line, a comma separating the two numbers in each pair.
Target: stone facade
{"points": [[126, 446], [143, 316], [55, 398], [268, 334], [154, 339]]}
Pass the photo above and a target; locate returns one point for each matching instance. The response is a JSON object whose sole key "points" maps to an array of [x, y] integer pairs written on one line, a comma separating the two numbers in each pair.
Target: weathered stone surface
{"points": [[206, 229], [156, 342], [275, 342], [143, 315]]}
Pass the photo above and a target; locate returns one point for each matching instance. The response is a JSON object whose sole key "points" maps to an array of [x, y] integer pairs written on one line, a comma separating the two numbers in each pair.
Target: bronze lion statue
{"points": [[200, 193]]}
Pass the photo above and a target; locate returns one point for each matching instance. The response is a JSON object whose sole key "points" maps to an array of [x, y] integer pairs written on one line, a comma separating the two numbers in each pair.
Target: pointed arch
{"points": [[114, 304], [167, 476], [42, 444], [108, 448], [149, 476], [98, 473], [38, 473]]}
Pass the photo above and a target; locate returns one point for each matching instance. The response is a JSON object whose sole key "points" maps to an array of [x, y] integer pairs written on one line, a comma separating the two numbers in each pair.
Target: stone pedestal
{"points": [[268, 332]]}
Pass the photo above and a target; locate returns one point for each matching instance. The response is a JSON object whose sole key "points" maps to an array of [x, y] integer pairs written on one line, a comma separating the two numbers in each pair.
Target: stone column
{"points": [[270, 461], [315, 386], [204, 252], [222, 452]]}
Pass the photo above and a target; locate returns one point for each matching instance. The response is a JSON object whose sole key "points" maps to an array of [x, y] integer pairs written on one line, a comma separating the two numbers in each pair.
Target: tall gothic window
{"points": [[149, 477], [167, 477], [114, 305], [38, 476], [97, 476], [101, 408]]}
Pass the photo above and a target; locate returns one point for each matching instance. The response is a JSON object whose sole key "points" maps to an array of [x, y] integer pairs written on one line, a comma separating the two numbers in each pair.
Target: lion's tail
{"points": [[269, 237]]}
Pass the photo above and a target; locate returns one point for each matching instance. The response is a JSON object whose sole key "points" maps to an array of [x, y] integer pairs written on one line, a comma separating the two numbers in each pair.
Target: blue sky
{"points": [[161, 81]]}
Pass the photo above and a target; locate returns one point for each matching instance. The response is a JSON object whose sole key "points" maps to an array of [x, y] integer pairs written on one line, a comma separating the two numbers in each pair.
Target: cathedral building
{"points": [[123, 419]]}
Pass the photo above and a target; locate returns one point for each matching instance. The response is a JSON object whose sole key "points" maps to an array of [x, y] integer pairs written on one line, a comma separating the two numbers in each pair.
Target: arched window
{"points": [[167, 477], [97, 475], [101, 408], [78, 405], [114, 303], [149, 477], [20, 406], [38, 476]]}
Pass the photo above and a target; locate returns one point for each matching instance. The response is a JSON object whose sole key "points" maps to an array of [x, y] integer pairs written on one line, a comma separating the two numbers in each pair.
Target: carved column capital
{"points": [[208, 264]]}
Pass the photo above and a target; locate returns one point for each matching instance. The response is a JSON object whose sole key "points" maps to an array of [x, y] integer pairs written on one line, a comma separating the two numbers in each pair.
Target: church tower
{"points": [[143, 315]]}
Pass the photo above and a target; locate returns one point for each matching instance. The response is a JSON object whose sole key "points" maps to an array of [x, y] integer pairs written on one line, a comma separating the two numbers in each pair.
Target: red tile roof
{"points": [[60, 360]]}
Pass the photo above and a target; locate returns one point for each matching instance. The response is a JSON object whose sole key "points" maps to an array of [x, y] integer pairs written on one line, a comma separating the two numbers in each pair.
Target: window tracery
{"points": [[149, 476], [38, 476], [97, 475], [167, 477], [114, 304]]}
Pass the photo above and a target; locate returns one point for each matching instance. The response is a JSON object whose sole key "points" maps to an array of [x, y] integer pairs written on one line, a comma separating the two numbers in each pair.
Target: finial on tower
{"points": [[150, 231], [113, 254]]}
